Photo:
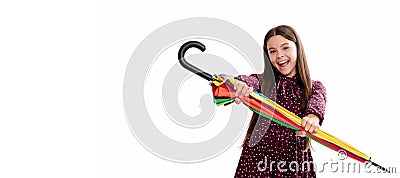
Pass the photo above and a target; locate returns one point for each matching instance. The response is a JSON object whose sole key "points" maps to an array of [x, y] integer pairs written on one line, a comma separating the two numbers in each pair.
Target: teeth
{"points": [[282, 62]]}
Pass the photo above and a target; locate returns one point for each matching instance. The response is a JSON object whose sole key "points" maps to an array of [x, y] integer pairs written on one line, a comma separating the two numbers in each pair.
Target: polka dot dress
{"points": [[273, 150]]}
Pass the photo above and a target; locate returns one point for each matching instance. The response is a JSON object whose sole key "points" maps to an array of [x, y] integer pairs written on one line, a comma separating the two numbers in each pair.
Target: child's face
{"points": [[283, 54]]}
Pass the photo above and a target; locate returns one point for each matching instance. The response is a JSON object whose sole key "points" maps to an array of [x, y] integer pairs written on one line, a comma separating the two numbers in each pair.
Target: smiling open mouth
{"points": [[283, 63]]}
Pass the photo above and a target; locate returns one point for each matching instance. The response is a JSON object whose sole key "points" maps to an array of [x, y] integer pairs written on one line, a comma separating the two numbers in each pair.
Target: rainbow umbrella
{"points": [[224, 94]]}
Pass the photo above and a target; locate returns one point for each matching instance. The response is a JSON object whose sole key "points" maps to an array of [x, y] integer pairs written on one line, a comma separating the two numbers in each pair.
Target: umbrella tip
{"points": [[379, 166]]}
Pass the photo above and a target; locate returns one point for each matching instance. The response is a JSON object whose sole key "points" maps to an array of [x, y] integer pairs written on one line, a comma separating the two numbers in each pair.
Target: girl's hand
{"points": [[309, 123], [242, 89]]}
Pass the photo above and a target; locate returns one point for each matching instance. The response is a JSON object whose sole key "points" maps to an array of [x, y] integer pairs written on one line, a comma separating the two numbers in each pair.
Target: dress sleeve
{"points": [[317, 102], [252, 80]]}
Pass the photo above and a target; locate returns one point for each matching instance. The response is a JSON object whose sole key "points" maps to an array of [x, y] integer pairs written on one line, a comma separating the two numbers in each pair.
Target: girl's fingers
{"points": [[242, 89], [316, 129], [249, 91], [235, 84], [304, 121], [239, 91], [311, 128], [310, 124], [237, 101], [300, 133]]}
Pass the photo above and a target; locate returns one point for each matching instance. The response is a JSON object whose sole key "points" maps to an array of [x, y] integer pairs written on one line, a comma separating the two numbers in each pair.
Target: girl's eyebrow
{"points": [[281, 45], [284, 44]]}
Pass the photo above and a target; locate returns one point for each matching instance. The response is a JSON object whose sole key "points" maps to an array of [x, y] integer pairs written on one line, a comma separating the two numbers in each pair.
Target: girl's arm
{"points": [[244, 85], [251, 80], [317, 102], [315, 110]]}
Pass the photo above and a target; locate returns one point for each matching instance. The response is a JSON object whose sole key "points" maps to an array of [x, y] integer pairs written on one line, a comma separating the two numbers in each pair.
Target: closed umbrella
{"points": [[224, 94]]}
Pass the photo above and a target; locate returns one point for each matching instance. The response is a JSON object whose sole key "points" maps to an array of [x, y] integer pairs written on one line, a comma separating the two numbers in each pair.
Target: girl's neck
{"points": [[289, 75]]}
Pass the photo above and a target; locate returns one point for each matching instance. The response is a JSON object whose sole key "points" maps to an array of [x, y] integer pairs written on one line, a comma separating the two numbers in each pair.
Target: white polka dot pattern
{"points": [[272, 143]]}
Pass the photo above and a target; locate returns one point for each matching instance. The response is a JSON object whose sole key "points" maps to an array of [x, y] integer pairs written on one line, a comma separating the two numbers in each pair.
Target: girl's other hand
{"points": [[242, 89], [309, 123]]}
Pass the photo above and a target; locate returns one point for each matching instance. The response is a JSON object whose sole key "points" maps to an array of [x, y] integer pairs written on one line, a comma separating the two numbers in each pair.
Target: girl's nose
{"points": [[280, 54]]}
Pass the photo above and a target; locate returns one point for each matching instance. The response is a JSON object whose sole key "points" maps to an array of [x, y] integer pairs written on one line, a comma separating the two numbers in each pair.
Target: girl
{"points": [[270, 149]]}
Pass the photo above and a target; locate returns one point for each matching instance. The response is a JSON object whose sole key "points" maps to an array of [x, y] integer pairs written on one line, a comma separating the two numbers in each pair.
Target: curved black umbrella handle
{"points": [[189, 66]]}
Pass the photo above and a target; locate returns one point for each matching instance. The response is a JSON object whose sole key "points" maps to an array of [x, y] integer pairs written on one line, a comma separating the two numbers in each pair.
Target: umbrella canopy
{"points": [[224, 94]]}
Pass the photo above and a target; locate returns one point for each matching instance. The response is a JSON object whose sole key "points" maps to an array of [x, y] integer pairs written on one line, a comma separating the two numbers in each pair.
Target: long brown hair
{"points": [[271, 72]]}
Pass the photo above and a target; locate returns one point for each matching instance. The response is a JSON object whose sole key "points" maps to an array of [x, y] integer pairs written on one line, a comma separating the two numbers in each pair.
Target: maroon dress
{"points": [[274, 150]]}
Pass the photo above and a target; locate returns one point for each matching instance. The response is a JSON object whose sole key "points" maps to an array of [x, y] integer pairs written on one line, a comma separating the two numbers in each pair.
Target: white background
{"points": [[62, 67]]}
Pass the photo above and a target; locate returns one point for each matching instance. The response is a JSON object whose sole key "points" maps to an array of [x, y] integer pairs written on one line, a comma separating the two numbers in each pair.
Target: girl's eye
{"points": [[272, 51], [286, 47]]}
